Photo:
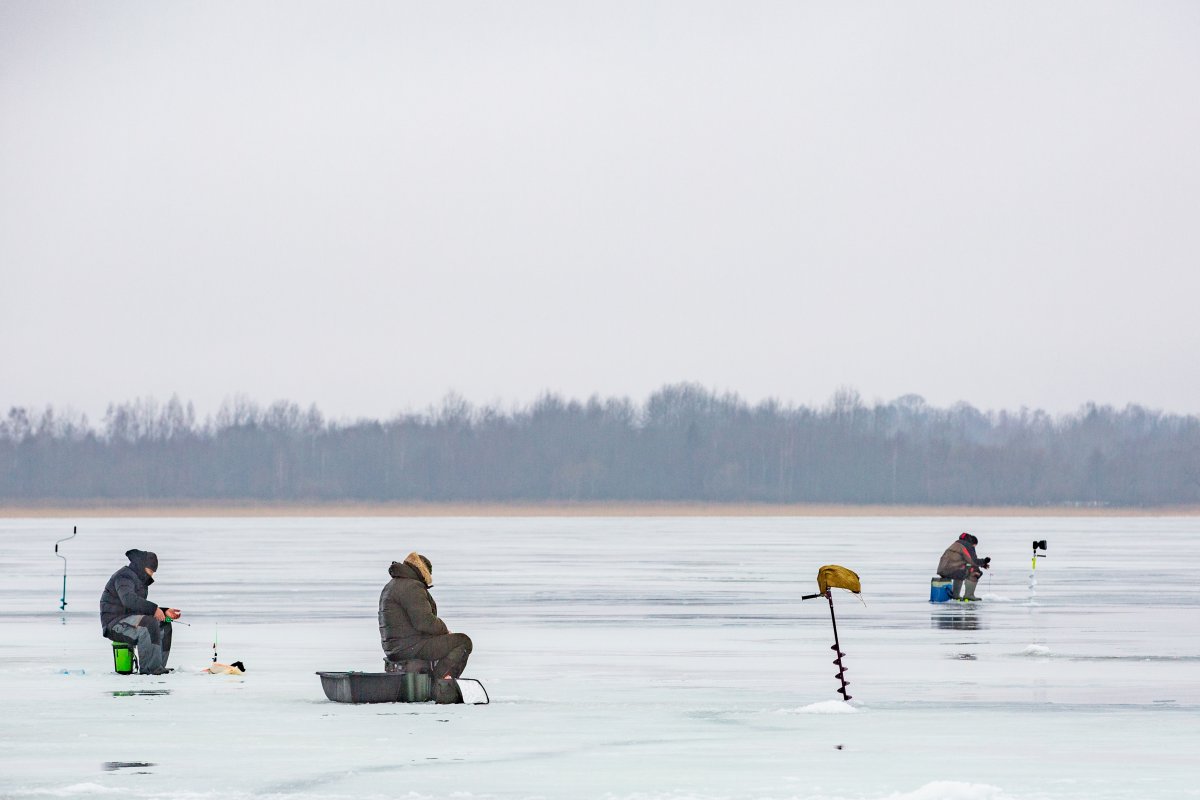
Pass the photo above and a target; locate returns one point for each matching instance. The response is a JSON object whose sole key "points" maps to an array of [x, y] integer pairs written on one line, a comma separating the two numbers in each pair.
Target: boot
{"points": [[956, 589], [970, 594], [445, 691]]}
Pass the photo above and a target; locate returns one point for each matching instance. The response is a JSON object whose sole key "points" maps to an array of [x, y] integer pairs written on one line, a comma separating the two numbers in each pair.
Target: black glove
{"points": [[986, 563]]}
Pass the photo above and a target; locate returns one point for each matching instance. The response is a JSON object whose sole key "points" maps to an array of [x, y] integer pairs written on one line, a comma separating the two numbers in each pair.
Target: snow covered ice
{"points": [[627, 659]]}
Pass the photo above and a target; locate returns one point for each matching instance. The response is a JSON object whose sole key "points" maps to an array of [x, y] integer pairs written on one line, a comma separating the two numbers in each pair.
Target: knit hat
{"points": [[422, 565], [969, 538]]}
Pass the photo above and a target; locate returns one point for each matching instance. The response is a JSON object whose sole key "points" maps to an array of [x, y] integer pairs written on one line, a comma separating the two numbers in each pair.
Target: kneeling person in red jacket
{"points": [[961, 564]]}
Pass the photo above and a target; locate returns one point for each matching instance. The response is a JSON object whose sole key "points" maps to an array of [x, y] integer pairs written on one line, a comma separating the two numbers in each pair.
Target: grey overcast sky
{"points": [[367, 205]]}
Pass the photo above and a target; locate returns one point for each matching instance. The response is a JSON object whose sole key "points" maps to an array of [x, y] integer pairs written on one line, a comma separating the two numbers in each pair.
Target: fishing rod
{"points": [[1039, 544], [74, 531]]}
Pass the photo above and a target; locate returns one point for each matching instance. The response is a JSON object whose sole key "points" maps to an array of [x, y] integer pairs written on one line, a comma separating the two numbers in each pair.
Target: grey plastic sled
{"points": [[396, 687]]}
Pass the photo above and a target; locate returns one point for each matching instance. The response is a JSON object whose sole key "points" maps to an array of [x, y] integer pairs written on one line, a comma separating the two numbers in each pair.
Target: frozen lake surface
{"points": [[640, 658]]}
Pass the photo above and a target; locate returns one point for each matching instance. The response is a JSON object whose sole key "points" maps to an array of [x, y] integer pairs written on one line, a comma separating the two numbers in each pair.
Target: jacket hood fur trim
{"points": [[421, 565]]}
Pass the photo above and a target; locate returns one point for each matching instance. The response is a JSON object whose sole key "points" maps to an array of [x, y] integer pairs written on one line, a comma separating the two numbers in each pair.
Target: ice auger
{"points": [[828, 577]]}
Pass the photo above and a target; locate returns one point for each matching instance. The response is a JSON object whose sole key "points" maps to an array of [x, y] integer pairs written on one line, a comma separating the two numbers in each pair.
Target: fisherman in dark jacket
{"points": [[127, 616], [408, 622], [961, 564]]}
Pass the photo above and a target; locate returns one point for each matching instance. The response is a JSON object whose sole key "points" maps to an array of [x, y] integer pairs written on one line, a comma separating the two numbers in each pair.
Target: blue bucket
{"points": [[939, 590]]}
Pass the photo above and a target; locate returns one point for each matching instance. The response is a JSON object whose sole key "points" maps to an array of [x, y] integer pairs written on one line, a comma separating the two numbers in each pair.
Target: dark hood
{"points": [[399, 569], [139, 560]]}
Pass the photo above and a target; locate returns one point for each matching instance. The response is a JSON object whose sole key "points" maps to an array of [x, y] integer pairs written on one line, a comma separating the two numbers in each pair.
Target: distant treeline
{"points": [[683, 444]]}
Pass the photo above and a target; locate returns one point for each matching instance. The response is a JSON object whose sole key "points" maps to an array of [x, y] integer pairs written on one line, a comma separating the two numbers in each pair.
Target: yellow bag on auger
{"points": [[839, 578]]}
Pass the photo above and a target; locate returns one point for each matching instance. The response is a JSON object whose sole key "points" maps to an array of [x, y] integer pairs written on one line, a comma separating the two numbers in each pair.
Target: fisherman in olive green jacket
{"points": [[409, 626]]}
